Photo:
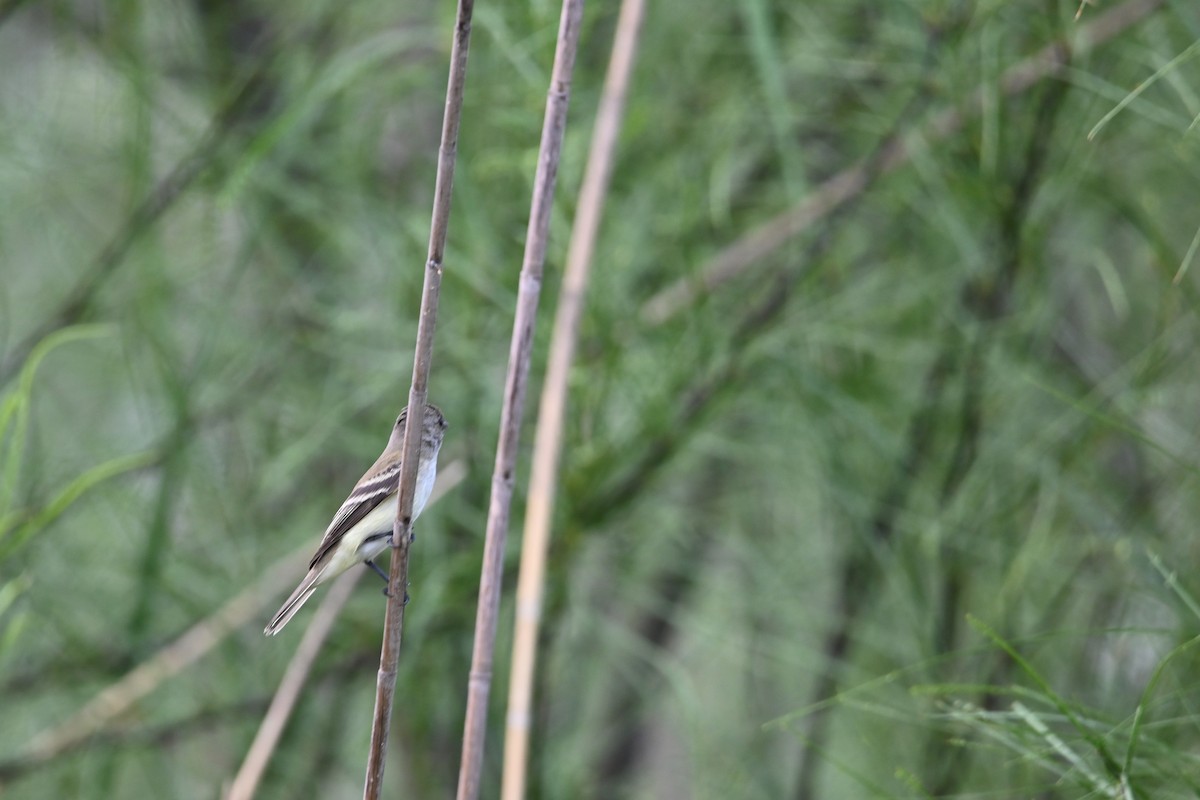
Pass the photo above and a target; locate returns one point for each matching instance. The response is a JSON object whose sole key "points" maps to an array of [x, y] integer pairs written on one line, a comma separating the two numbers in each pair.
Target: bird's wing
{"points": [[372, 489]]}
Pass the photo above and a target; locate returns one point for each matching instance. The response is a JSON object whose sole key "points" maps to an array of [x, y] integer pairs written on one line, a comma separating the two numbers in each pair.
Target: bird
{"points": [[362, 528]]}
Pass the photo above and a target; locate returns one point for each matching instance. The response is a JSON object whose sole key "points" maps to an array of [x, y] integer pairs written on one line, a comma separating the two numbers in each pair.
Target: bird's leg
{"points": [[375, 568], [386, 580]]}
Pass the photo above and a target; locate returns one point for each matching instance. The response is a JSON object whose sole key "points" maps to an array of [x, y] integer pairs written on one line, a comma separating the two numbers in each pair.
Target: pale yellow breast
{"points": [[354, 547]]}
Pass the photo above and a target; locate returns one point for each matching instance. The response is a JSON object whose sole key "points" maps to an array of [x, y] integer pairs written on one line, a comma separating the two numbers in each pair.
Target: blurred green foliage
{"points": [[906, 510]]}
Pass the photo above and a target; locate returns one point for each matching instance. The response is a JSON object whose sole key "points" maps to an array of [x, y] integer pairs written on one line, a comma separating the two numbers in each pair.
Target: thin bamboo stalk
{"points": [[547, 446], [385, 683], [515, 384]]}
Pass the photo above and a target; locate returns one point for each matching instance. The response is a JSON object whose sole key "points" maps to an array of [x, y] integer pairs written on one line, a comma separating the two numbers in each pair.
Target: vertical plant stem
{"points": [[552, 409], [519, 355], [385, 684]]}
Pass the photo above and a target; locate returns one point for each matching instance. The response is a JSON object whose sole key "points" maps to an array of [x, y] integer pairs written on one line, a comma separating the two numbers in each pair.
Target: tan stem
{"points": [[552, 408], [520, 352]]}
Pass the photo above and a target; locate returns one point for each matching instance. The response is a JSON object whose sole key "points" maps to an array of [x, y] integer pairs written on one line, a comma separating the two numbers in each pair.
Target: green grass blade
{"points": [[14, 411], [11, 540]]}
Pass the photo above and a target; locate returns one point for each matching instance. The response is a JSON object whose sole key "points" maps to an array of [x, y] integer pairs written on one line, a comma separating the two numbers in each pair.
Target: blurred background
{"points": [[896, 500]]}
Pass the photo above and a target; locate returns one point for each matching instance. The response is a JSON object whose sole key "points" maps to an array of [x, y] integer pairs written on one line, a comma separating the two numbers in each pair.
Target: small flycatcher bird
{"points": [[362, 527]]}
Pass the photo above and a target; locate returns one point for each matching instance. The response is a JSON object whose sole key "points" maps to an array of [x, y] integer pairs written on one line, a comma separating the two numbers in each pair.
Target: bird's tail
{"points": [[293, 603]]}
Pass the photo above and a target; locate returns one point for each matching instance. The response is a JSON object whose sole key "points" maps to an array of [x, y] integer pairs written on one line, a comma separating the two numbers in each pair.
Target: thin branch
{"points": [[166, 734], [385, 684], [519, 355], [850, 184], [202, 637], [547, 445], [158, 737], [246, 782], [660, 446]]}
